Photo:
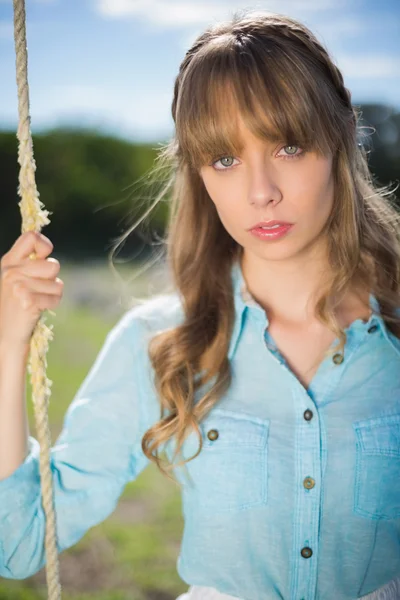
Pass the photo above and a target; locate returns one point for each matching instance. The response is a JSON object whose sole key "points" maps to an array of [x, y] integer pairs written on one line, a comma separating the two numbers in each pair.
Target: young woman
{"points": [[272, 369]]}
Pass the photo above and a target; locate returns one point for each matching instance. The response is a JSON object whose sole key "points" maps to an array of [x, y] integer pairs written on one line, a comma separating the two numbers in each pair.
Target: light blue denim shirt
{"points": [[296, 493]]}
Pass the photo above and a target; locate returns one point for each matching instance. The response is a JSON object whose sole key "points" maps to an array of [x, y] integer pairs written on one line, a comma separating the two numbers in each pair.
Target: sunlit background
{"points": [[101, 76]]}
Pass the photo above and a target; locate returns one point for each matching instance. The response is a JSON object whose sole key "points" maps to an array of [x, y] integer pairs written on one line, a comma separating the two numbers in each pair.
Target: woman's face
{"points": [[265, 183]]}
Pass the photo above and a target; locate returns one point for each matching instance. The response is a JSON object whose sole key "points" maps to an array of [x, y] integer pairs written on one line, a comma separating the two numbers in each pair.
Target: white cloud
{"points": [[368, 66], [185, 13], [175, 14], [145, 113], [340, 27]]}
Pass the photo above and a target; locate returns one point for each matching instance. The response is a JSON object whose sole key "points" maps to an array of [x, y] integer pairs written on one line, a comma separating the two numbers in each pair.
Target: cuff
{"points": [[22, 486]]}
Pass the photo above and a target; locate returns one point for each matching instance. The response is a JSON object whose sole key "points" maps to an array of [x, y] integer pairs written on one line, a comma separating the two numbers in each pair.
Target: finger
{"points": [[44, 269], [40, 286], [28, 242], [30, 300]]}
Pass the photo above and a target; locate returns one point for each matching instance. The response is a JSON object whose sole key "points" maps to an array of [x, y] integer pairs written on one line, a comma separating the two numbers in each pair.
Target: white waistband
{"points": [[389, 591]]}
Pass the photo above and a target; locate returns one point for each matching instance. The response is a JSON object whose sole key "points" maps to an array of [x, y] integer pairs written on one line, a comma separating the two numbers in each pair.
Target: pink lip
{"points": [[270, 223], [271, 234]]}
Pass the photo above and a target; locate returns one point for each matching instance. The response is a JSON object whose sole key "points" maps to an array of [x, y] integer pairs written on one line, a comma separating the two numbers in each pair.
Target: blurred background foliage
{"points": [[90, 183]]}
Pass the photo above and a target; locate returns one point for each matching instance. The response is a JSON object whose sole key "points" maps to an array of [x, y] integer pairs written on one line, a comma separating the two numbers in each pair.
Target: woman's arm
{"points": [[96, 454], [14, 428]]}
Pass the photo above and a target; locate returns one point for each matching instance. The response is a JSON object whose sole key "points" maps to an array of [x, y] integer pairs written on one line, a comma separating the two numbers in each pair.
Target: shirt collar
{"points": [[243, 300]]}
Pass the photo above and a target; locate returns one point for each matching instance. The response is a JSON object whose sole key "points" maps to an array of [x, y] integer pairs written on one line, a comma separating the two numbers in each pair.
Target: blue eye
{"points": [[219, 160], [292, 155], [289, 156]]}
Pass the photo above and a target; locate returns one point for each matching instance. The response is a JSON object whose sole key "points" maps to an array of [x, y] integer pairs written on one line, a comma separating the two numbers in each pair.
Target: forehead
{"points": [[224, 112], [230, 129], [246, 137]]}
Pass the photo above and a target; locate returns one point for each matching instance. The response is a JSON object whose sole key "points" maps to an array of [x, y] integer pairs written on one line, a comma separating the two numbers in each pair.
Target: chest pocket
{"points": [[377, 480], [230, 473]]}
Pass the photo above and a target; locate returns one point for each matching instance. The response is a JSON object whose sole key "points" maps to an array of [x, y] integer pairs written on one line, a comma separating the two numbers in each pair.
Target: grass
{"points": [[132, 555]]}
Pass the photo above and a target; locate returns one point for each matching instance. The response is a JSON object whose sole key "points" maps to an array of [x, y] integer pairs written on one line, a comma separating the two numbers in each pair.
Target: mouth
{"points": [[273, 224], [270, 233]]}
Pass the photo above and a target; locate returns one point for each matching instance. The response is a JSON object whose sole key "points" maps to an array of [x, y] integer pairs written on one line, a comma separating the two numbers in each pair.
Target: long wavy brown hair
{"points": [[270, 69]]}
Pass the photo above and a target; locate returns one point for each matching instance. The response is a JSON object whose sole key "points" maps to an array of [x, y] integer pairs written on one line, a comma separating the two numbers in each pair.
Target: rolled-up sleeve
{"points": [[97, 452]]}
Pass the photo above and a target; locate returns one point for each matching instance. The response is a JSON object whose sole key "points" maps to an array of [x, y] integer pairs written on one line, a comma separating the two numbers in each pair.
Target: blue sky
{"points": [[112, 63]]}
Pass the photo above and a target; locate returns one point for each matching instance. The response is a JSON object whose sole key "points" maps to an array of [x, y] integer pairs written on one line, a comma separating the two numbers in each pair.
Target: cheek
{"points": [[217, 189], [324, 197], [222, 194], [314, 193]]}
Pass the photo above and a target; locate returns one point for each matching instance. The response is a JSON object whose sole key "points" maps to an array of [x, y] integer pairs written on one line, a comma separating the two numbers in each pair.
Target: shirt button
{"points": [[309, 483], [212, 434], [372, 328], [308, 414], [306, 552], [338, 358]]}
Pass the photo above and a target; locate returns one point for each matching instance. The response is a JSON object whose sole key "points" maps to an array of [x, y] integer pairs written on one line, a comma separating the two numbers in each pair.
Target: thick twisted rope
{"points": [[33, 218]]}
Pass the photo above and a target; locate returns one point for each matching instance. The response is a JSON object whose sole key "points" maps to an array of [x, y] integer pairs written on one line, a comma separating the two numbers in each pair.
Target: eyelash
{"points": [[291, 157]]}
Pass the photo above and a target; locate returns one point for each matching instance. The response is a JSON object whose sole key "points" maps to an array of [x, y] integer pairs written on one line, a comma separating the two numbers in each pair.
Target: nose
{"points": [[263, 186]]}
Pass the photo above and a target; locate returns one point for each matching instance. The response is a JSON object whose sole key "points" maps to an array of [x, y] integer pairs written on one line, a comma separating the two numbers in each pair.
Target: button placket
{"points": [[308, 482], [308, 500]]}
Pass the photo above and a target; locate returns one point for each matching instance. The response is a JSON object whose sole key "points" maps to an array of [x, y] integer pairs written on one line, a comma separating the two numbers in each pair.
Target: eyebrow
{"points": [[267, 141]]}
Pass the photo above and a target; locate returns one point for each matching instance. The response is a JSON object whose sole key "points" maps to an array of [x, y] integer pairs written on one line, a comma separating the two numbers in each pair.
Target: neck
{"points": [[289, 290]]}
